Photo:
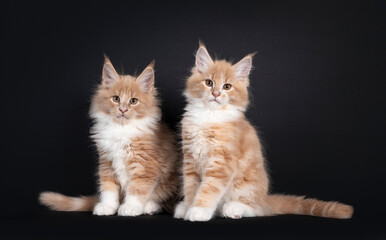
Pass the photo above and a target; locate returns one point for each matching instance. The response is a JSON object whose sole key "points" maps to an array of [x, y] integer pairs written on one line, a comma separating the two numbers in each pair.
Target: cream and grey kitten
{"points": [[137, 153], [223, 166]]}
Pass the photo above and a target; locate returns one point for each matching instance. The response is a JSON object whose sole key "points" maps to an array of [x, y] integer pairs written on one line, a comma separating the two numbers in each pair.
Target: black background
{"points": [[317, 90]]}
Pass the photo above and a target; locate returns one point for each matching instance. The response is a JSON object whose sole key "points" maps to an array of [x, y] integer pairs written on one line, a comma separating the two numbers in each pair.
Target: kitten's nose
{"points": [[123, 110], [215, 94]]}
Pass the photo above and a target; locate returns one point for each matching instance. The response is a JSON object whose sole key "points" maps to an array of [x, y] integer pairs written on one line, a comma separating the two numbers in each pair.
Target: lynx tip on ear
{"points": [[151, 64], [201, 43], [107, 59]]}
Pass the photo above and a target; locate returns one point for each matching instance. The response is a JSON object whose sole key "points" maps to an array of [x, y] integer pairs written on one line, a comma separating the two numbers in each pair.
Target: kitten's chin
{"points": [[122, 119], [214, 104]]}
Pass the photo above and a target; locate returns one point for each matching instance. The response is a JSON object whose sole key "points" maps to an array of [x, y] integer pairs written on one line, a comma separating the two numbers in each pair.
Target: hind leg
{"points": [[152, 207], [236, 210], [138, 192], [154, 203], [245, 199]]}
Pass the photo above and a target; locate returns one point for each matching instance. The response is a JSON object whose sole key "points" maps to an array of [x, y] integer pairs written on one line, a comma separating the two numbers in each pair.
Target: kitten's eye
{"points": [[116, 99], [227, 86], [133, 101], [209, 83]]}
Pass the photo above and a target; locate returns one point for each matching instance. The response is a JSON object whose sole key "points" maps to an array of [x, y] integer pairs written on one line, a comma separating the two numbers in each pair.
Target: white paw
{"points": [[131, 207], [237, 210], [180, 210], [152, 207], [198, 214], [104, 209], [128, 209]]}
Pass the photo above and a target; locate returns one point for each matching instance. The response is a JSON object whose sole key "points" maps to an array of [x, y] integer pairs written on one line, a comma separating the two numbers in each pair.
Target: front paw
{"points": [[103, 209], [180, 210], [198, 214]]}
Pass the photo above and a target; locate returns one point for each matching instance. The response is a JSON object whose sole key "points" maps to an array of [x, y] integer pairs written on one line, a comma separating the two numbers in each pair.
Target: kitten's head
{"points": [[219, 84], [124, 97]]}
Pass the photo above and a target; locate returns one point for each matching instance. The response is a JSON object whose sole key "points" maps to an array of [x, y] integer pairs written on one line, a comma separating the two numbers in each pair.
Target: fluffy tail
{"points": [[287, 204], [60, 202]]}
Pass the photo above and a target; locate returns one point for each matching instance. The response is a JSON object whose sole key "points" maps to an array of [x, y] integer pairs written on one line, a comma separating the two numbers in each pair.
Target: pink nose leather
{"points": [[215, 94], [122, 110]]}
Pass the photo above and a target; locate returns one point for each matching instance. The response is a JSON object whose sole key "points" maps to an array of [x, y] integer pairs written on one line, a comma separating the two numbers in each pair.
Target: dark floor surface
{"points": [[60, 225]]}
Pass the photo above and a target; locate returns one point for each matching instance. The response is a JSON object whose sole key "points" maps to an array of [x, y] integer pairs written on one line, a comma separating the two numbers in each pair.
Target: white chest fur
{"points": [[113, 141], [201, 115], [197, 123]]}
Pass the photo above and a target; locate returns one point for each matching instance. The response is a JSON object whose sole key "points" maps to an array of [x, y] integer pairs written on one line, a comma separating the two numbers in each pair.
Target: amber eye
{"points": [[133, 101], [209, 83], [227, 86], [116, 99]]}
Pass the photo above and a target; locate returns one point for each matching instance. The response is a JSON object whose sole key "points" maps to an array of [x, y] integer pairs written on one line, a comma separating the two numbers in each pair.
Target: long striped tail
{"points": [[60, 202], [287, 204]]}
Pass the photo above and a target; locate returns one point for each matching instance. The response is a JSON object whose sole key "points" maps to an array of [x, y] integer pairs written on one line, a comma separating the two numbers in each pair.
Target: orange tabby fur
{"points": [[223, 167], [137, 153]]}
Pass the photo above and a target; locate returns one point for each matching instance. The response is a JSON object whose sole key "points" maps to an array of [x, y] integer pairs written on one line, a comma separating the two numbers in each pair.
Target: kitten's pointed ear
{"points": [[109, 75], [203, 59], [146, 78], [243, 67]]}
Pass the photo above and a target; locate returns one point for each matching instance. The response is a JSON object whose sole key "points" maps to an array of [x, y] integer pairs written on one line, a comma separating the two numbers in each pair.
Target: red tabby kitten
{"points": [[137, 154], [223, 167]]}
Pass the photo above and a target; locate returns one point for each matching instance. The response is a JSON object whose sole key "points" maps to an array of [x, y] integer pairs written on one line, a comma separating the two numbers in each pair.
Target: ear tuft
{"points": [[107, 59], [151, 64], [109, 75], [243, 67], [146, 78], [201, 43]]}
